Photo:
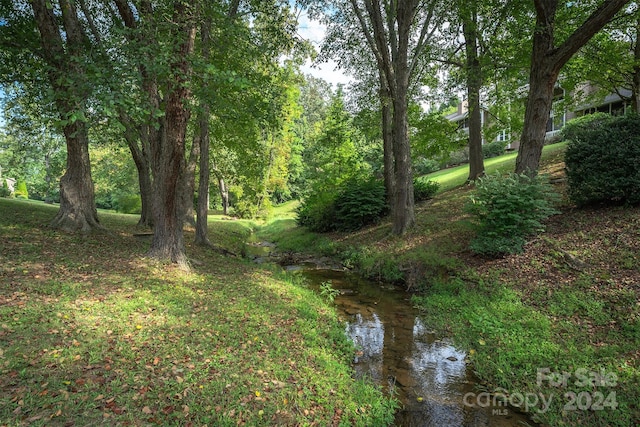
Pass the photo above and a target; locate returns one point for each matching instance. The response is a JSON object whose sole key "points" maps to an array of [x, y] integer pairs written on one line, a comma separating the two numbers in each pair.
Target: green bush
{"points": [[424, 189], [493, 149], [423, 166], [603, 159], [317, 212], [357, 203], [21, 191], [507, 209], [128, 203], [4, 189]]}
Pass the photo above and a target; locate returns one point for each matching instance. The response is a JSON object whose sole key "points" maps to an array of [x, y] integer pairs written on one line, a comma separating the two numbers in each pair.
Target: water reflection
{"points": [[399, 352]]}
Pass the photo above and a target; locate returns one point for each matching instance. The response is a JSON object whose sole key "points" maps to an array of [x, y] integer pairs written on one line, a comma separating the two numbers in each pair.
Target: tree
{"points": [[611, 61], [64, 51], [547, 59], [473, 72], [397, 33]]}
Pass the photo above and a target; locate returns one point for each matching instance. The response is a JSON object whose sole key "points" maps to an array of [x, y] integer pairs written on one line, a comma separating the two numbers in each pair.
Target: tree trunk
{"points": [[77, 201], [139, 147], [403, 209], [203, 184], [168, 152], [224, 190], [474, 84], [546, 63], [635, 92], [387, 139], [189, 184]]}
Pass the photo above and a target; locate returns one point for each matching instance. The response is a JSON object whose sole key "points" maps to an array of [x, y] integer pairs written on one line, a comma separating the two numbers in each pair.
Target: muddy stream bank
{"points": [[429, 376]]}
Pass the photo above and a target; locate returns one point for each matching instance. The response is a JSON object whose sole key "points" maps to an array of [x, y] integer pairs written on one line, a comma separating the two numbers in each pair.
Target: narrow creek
{"points": [[427, 374]]}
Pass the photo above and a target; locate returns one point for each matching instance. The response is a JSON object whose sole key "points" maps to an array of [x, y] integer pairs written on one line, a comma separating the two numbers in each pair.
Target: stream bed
{"points": [[427, 374]]}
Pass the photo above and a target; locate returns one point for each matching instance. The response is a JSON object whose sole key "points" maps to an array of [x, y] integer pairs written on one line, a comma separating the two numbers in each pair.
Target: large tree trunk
{"points": [[168, 152], [387, 139], [139, 147], [546, 63], [474, 84], [77, 201], [403, 210]]}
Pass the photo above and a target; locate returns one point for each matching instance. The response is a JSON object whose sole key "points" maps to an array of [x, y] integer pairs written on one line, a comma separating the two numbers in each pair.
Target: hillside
{"points": [[568, 304]]}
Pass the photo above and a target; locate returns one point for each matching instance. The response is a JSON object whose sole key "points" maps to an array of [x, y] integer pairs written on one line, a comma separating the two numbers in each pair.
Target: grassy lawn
{"points": [[93, 332], [558, 325], [455, 177]]}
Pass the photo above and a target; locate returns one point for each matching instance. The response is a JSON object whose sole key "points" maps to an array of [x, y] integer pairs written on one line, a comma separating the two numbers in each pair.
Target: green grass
{"points": [[92, 332], [455, 177], [510, 342]]}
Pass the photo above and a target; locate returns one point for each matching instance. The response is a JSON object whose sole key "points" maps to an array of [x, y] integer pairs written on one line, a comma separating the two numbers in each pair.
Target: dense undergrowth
{"points": [[92, 332], [558, 324]]}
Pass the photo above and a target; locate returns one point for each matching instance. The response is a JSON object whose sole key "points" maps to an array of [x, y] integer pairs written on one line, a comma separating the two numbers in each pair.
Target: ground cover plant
{"points": [[92, 332]]}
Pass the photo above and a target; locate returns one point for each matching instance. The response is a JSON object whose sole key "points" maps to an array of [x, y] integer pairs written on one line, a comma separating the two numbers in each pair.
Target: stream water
{"points": [[428, 375]]}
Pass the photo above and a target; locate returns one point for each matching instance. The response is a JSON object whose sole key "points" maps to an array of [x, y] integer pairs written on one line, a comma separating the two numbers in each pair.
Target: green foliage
{"points": [[328, 292], [4, 189], [21, 191], [424, 189], [128, 203], [435, 136], [423, 166], [507, 209], [317, 212], [357, 203], [603, 159], [493, 149]]}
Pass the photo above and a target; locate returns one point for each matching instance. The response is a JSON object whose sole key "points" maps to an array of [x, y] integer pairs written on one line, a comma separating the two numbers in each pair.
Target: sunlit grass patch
{"points": [[92, 332]]}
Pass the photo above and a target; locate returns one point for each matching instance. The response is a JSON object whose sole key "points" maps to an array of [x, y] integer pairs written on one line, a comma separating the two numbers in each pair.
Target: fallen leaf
{"points": [[147, 410]]}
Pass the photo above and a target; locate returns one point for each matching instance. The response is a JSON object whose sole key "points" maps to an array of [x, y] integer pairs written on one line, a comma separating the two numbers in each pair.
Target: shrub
{"points": [[423, 166], [603, 159], [4, 189], [21, 191], [507, 209], [317, 212], [424, 189], [359, 203], [356, 203], [493, 149], [128, 203]]}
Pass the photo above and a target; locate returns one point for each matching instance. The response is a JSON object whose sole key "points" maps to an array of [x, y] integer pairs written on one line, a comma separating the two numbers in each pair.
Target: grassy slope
{"points": [[91, 332], [569, 302]]}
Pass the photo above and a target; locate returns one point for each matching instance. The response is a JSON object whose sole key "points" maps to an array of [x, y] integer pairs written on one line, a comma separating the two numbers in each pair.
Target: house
{"points": [[461, 117], [11, 183], [560, 114]]}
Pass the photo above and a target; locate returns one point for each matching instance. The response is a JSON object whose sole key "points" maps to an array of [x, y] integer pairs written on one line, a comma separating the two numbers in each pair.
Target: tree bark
{"points": [[386, 111], [67, 77], [635, 92], [403, 210], [168, 152], [189, 190], [202, 209], [546, 63], [139, 147], [474, 84]]}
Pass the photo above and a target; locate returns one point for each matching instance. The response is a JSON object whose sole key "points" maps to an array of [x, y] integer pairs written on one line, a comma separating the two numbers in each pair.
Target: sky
{"points": [[313, 31]]}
